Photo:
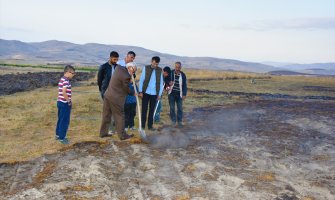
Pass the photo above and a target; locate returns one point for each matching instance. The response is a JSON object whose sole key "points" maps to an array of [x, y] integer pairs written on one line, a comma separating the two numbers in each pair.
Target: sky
{"points": [[298, 31]]}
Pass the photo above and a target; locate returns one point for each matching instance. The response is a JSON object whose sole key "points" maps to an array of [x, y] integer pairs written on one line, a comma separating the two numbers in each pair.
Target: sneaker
{"points": [[126, 129], [64, 141], [110, 133], [180, 124], [133, 128], [56, 137]]}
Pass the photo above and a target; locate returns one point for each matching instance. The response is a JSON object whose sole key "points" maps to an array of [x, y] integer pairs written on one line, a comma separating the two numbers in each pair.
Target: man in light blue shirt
{"points": [[150, 90], [129, 58]]}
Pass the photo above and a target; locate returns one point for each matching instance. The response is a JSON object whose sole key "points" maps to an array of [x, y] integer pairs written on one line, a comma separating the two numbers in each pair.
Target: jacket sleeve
{"points": [[125, 84], [101, 74], [184, 85]]}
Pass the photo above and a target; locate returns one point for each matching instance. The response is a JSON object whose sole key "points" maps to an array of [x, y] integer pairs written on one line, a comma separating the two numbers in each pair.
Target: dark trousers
{"points": [[63, 122], [130, 113], [173, 100], [148, 100]]}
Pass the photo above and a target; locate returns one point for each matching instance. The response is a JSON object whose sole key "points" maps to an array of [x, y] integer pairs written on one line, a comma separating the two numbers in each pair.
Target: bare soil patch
{"points": [[267, 149]]}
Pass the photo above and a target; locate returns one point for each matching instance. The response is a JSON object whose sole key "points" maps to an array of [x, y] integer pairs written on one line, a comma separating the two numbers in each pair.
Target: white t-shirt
{"points": [[122, 63]]}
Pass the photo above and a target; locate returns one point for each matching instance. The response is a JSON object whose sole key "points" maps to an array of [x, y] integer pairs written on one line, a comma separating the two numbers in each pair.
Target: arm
{"points": [[140, 87], [101, 75], [184, 86], [161, 86]]}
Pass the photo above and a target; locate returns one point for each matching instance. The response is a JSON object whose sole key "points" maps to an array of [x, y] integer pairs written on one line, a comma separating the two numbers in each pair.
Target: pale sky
{"points": [[301, 31]]}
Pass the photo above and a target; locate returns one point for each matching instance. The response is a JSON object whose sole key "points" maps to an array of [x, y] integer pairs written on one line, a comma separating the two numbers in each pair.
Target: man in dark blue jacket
{"points": [[177, 94], [106, 71], [104, 76]]}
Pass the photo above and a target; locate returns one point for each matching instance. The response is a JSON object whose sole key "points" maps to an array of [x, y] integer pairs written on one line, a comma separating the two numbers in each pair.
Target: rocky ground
{"points": [[266, 149]]}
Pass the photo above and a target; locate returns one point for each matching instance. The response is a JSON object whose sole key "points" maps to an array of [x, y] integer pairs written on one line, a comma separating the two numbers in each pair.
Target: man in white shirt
{"points": [[129, 58]]}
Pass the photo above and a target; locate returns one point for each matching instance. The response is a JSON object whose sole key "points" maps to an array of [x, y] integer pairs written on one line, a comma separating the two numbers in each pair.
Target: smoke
{"points": [[201, 124]]}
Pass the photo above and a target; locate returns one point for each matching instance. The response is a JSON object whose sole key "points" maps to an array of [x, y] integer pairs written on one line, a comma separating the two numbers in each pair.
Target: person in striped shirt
{"points": [[64, 104]]}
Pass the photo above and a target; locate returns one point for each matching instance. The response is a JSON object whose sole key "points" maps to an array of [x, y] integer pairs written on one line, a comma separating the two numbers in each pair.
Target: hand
{"points": [[69, 103], [140, 94], [184, 97], [158, 97]]}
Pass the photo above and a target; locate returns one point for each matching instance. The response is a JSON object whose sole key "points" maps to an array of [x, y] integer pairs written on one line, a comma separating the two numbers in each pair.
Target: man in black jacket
{"points": [[104, 76], [106, 71]]}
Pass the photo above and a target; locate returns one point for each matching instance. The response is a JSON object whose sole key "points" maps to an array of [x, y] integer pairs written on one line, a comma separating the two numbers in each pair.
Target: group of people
{"points": [[118, 94]]}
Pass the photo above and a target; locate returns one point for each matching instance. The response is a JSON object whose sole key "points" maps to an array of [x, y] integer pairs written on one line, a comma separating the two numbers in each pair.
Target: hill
{"points": [[93, 54]]}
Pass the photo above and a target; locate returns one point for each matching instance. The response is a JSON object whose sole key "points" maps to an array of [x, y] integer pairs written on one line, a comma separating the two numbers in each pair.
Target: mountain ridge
{"points": [[95, 54]]}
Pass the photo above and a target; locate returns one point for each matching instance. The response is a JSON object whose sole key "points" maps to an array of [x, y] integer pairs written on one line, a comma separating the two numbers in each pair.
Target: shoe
{"points": [[133, 129], [180, 124], [56, 137], [64, 141], [152, 129], [126, 136], [126, 129], [110, 133]]}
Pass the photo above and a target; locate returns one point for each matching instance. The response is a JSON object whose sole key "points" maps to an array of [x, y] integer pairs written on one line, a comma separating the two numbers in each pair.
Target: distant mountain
{"points": [[60, 52], [315, 68], [286, 72]]}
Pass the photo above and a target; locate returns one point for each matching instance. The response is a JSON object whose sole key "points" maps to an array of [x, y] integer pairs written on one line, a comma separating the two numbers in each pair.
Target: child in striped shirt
{"points": [[64, 104]]}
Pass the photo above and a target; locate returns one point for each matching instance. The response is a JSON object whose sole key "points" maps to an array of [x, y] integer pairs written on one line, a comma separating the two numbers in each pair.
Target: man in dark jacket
{"points": [[177, 94], [114, 100], [106, 71]]}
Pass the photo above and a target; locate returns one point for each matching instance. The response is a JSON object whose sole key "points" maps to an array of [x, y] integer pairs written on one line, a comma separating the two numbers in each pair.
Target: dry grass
{"points": [[211, 74], [292, 85], [28, 119]]}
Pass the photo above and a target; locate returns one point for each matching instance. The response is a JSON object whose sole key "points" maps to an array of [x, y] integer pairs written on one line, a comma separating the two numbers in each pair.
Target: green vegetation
{"points": [[88, 68]]}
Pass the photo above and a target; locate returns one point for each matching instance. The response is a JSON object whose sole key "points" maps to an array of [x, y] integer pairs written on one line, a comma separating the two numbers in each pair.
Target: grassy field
{"points": [[28, 118]]}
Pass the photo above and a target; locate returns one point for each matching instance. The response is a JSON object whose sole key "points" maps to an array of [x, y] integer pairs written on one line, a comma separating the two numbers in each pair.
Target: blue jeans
{"points": [[173, 100], [63, 122]]}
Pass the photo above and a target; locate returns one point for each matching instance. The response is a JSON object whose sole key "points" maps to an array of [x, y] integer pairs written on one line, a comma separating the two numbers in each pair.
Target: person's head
{"points": [[166, 71], [131, 67], [130, 57], [113, 57], [155, 61], [177, 66], [69, 71]]}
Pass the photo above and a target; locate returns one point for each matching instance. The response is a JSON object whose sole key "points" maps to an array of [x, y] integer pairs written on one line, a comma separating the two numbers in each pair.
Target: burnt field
{"points": [[12, 83], [261, 150], [246, 145]]}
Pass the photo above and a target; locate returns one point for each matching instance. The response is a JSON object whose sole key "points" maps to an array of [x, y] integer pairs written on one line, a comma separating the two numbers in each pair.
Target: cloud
{"points": [[285, 24]]}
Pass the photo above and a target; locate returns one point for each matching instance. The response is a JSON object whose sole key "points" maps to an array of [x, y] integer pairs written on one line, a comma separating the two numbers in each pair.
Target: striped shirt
{"points": [[176, 86], [64, 82]]}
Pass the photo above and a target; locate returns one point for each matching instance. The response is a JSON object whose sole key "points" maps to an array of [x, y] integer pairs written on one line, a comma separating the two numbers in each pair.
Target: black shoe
{"points": [[103, 136], [152, 129], [126, 136]]}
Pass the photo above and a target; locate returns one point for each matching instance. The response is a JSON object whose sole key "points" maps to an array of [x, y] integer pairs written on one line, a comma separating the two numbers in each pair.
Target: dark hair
{"points": [[69, 68], [179, 63], [167, 69], [132, 53], [156, 59], [114, 54]]}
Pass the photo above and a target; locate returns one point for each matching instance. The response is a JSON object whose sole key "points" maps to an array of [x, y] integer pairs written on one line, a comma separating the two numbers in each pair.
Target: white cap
{"points": [[131, 64]]}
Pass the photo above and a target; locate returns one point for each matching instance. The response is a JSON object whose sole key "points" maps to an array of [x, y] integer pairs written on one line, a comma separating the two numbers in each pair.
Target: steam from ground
{"points": [[200, 124]]}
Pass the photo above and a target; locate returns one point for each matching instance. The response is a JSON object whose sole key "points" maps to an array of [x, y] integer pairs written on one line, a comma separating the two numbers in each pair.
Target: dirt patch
{"points": [[262, 95], [259, 150], [12, 83]]}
